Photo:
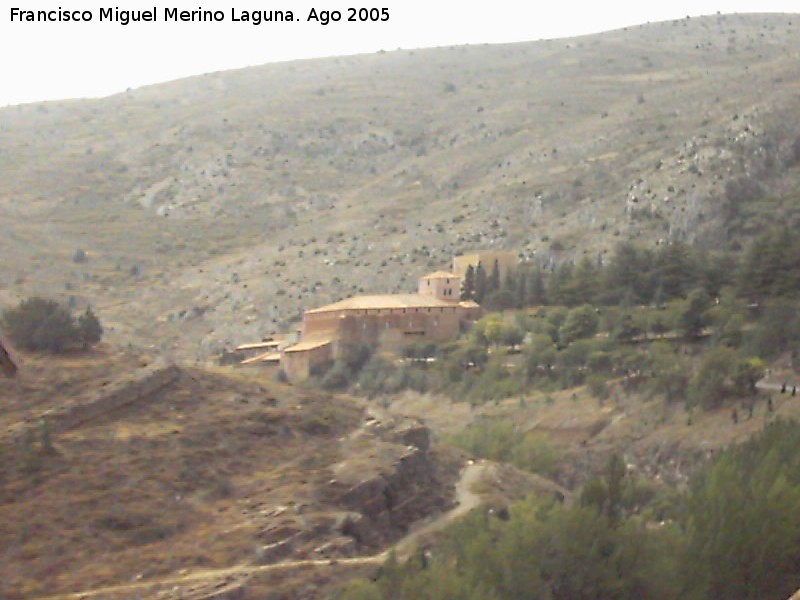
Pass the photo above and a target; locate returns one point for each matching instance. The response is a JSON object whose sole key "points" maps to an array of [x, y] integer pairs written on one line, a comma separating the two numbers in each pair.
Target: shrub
{"points": [[90, 330], [598, 388], [337, 377], [42, 324]]}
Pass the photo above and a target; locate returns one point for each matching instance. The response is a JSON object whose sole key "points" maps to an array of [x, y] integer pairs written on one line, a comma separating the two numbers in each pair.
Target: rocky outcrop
{"points": [[400, 482], [114, 397]]}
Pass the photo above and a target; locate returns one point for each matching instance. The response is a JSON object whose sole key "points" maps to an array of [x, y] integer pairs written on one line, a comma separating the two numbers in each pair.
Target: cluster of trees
{"points": [[634, 275], [735, 534], [42, 324], [562, 347], [519, 289], [503, 440]]}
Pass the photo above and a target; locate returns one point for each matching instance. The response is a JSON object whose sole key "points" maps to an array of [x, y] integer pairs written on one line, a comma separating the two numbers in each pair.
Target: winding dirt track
{"points": [[466, 501]]}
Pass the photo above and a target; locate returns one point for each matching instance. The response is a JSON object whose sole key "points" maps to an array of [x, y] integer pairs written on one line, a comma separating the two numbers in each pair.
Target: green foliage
{"points": [[771, 266], [777, 331], [337, 377], [493, 382], [549, 321], [493, 283], [598, 387], [356, 356], [737, 536], [539, 357], [670, 371], [709, 384], [745, 375], [457, 364], [468, 287], [627, 328], [382, 376], [421, 350], [723, 372], [581, 322], [504, 441], [481, 285], [41, 324], [743, 520], [90, 330], [693, 317], [499, 300], [546, 551]]}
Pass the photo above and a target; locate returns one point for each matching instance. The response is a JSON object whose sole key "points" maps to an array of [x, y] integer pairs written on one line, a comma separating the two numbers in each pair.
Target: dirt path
{"points": [[466, 498]]}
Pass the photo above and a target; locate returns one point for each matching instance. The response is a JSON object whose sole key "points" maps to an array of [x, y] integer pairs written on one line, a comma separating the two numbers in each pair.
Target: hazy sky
{"points": [[40, 61]]}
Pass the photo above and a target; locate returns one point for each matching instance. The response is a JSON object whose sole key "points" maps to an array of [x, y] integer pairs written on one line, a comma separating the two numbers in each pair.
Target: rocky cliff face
{"points": [[399, 481]]}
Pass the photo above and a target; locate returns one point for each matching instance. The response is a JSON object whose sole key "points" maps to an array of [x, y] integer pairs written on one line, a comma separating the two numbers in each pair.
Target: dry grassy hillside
{"points": [[214, 209], [213, 474]]}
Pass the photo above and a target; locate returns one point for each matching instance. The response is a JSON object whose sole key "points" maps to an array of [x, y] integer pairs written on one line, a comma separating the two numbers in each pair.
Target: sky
{"points": [[59, 60]]}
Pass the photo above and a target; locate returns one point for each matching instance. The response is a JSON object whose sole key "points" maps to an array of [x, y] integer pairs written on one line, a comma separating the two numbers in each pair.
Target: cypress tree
{"points": [[537, 294], [494, 278], [468, 286], [480, 283], [522, 289]]}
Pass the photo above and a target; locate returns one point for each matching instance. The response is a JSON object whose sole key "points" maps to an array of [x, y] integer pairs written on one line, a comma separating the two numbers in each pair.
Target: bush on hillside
{"points": [[42, 324]]}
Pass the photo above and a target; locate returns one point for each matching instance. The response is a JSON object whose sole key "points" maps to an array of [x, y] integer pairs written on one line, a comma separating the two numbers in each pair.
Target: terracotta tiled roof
{"points": [[305, 346], [385, 301], [469, 304], [259, 345], [266, 357], [441, 275]]}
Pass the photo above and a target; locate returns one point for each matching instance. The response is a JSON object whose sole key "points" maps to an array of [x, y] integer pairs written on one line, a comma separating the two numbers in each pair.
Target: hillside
{"points": [[214, 209], [123, 474]]}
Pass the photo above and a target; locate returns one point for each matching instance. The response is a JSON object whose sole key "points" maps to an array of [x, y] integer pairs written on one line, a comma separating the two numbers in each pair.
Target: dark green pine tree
{"points": [[615, 475], [481, 283], [585, 283], [510, 283], [675, 270], [89, 328], [494, 278], [522, 289], [468, 286], [537, 294]]}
